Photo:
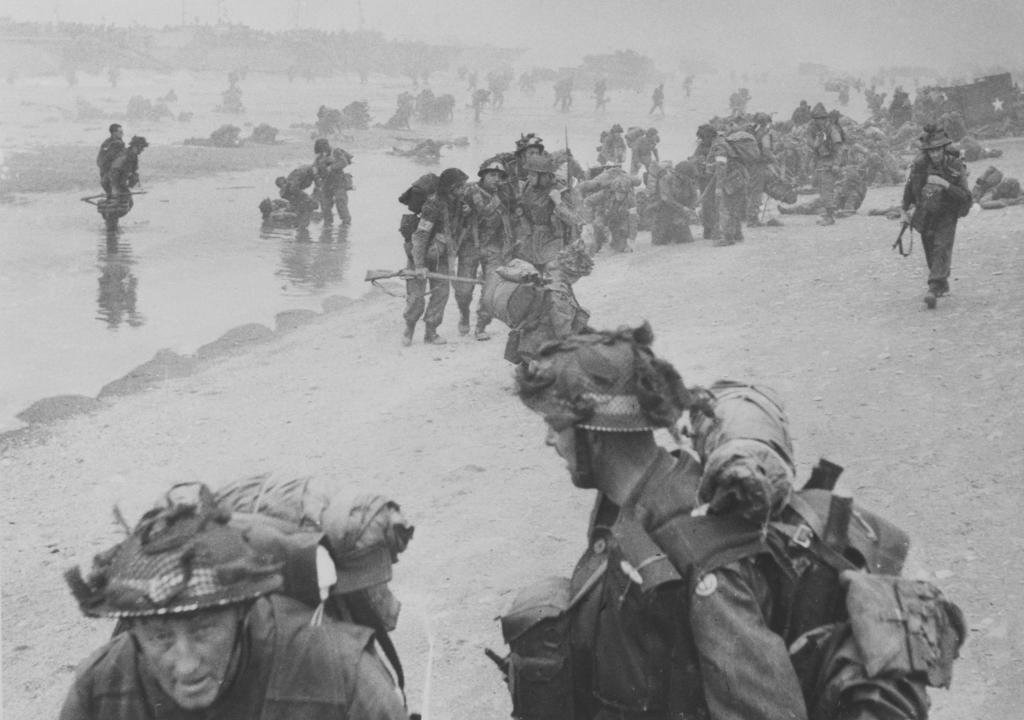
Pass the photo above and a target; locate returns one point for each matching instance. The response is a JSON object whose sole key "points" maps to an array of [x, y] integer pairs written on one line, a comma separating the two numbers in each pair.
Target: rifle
{"points": [[406, 274], [898, 245], [92, 199]]}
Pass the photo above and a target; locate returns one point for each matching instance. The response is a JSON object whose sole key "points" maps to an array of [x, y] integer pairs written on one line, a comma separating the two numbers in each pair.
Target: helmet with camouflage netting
{"points": [[180, 558], [608, 381]]}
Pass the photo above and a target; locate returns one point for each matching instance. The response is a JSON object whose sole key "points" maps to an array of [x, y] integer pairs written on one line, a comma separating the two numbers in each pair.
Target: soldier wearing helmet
{"points": [[206, 633], [489, 223], [123, 174], [761, 129], [675, 197], [645, 151], [546, 222], [554, 313], [825, 138], [434, 248], [613, 211], [935, 196], [686, 602]]}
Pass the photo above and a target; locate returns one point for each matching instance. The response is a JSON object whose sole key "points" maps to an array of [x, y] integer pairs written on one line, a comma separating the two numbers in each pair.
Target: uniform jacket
{"points": [[951, 201], [289, 670]]}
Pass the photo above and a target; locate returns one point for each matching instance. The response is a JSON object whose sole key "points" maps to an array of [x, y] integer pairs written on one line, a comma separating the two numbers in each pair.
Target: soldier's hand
{"points": [[905, 216], [418, 273]]}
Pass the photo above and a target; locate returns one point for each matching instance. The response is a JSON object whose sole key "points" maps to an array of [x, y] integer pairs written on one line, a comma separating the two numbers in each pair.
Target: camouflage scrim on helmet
{"points": [[934, 138], [575, 259], [605, 381], [180, 558], [540, 164], [818, 112]]}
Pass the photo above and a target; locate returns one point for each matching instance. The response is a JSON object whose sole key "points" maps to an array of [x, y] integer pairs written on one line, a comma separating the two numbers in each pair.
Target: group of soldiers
{"points": [[330, 183], [118, 166], [515, 230], [712, 584]]}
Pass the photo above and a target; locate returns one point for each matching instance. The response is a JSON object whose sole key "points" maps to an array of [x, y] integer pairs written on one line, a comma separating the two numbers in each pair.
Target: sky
{"points": [[743, 35]]}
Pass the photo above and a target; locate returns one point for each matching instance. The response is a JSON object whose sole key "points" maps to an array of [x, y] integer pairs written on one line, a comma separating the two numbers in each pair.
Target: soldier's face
{"points": [[491, 179], [190, 656], [564, 443], [531, 151], [936, 154]]}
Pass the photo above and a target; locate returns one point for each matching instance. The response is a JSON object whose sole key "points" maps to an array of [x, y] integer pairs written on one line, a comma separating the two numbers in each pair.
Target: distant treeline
{"points": [[63, 47]]}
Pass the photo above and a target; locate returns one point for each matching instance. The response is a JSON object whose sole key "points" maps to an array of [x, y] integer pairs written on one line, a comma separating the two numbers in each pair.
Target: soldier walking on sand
{"points": [[825, 138], [433, 249], [487, 243], [658, 100], [935, 196]]}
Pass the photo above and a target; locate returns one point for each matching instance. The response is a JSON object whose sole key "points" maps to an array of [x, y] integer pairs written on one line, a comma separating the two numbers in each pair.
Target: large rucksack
{"points": [[744, 147]]}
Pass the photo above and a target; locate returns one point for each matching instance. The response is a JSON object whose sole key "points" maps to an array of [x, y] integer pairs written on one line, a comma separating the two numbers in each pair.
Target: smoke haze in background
{"points": [[738, 35]]}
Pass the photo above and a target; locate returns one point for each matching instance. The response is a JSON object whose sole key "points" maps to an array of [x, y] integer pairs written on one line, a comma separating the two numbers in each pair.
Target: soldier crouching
{"points": [[207, 634]]}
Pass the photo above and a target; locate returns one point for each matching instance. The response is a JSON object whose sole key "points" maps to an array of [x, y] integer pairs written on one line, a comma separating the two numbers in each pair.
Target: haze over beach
{"points": [[743, 35], [735, 176]]}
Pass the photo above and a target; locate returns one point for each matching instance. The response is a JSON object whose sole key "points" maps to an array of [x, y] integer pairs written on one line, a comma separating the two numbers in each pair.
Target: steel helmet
{"points": [[606, 381], [181, 557]]}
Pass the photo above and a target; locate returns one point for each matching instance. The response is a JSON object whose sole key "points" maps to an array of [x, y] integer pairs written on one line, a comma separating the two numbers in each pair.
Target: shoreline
{"points": [[166, 364]]}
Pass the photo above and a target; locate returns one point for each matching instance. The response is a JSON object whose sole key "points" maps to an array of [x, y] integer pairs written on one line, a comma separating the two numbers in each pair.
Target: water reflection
{"points": [[313, 263], [118, 287]]}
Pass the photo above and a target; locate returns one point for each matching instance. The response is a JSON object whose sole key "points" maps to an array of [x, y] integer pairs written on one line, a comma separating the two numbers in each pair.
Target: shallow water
{"points": [[79, 308]]}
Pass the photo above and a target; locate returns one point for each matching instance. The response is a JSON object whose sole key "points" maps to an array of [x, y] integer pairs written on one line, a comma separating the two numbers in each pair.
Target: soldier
{"points": [[688, 85], [123, 174], [709, 589], [487, 240], [824, 138], [935, 196], [205, 633], [336, 186], [434, 249], [600, 93], [545, 220], [658, 100], [730, 179], [614, 146], [416, 304], [613, 208], [527, 146], [645, 151], [706, 135], [802, 114], [109, 150], [761, 129], [676, 196], [293, 189], [555, 313]]}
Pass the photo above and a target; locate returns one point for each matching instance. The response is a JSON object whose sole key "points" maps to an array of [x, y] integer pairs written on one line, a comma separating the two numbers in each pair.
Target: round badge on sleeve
{"points": [[707, 585]]}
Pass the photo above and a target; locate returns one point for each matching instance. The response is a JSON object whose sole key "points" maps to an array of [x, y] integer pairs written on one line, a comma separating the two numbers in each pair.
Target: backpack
{"points": [[743, 146]]}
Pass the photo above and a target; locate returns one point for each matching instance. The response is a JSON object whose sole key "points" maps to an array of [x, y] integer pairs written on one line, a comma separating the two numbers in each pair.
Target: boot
{"points": [[464, 324], [827, 219], [722, 242], [481, 333], [432, 338], [931, 298], [407, 335]]}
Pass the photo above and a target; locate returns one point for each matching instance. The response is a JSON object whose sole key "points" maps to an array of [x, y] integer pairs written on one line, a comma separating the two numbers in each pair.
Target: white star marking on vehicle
{"points": [[998, 105]]}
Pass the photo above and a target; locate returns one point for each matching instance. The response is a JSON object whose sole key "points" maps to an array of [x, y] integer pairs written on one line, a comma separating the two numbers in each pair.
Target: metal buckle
{"points": [[802, 536]]}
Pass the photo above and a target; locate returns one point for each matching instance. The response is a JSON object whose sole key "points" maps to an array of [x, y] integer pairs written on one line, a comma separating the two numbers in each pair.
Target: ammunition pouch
{"points": [[537, 629], [903, 627]]}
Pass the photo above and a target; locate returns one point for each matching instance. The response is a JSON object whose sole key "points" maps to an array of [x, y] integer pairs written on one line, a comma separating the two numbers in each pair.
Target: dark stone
{"points": [[334, 303], [55, 408], [291, 319], [165, 364], [234, 339]]}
